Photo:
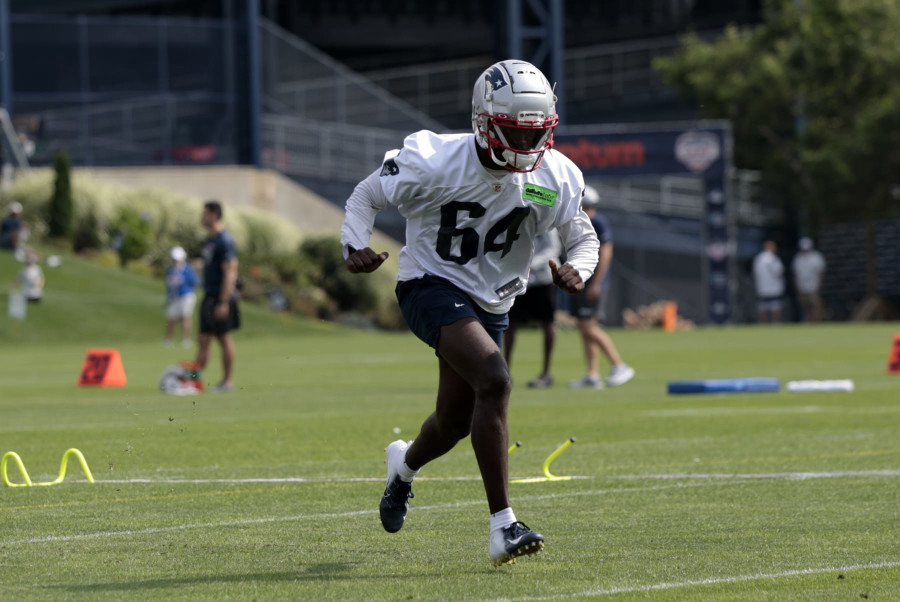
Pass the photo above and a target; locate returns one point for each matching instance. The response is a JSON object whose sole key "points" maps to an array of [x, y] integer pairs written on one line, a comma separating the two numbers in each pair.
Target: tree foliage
{"points": [[59, 220], [813, 94]]}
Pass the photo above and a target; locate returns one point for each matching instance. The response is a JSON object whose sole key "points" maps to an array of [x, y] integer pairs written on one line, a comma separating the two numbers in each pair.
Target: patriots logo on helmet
{"points": [[495, 78]]}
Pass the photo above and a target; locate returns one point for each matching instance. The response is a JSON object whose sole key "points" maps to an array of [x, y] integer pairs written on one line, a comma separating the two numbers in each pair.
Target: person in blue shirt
{"points": [[219, 312], [180, 297]]}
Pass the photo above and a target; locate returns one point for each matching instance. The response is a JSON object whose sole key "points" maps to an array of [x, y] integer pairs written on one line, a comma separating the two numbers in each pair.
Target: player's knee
{"points": [[494, 385]]}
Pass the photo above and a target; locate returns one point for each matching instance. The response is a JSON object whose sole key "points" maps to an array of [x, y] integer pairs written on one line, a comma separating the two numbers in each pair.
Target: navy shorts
{"points": [[209, 324], [537, 303], [428, 303]]}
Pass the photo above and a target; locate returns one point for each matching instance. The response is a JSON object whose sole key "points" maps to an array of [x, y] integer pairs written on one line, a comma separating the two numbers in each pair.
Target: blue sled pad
{"points": [[724, 385]]}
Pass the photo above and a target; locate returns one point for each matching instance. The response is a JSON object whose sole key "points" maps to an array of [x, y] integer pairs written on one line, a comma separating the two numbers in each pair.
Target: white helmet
{"points": [[514, 109]]}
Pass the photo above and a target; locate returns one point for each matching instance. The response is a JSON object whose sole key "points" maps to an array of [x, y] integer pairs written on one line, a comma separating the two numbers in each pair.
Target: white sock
{"points": [[502, 519], [406, 473]]}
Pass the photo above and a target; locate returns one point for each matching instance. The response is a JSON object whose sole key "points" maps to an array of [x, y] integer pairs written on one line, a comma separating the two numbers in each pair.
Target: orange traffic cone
{"points": [[102, 368], [894, 356]]}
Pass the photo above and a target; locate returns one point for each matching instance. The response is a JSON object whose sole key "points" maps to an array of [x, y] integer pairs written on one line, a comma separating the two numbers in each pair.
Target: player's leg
{"points": [[441, 431], [591, 353], [203, 342], [228, 353], [450, 421], [170, 331], [186, 328], [207, 330], [605, 345], [509, 339], [473, 354], [549, 342]]}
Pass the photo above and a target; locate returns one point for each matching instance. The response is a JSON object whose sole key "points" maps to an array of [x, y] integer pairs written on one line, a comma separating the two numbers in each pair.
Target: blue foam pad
{"points": [[724, 385]]}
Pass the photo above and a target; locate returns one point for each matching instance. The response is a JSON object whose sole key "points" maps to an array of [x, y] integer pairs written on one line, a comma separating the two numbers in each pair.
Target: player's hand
{"points": [[220, 313], [365, 260], [566, 278]]}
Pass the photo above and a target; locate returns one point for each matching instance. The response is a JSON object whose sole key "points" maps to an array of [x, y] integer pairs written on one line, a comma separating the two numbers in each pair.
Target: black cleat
{"points": [[397, 492], [514, 541]]}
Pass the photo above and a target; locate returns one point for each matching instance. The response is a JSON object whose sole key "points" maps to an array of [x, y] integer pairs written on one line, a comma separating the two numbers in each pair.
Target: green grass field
{"points": [[271, 492]]}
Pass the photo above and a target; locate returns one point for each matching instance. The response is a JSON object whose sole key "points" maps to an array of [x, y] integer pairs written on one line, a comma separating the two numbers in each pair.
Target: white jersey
{"points": [[769, 274], [808, 267], [469, 225]]}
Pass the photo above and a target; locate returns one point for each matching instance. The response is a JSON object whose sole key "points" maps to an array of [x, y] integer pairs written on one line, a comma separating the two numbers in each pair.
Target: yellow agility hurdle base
{"points": [[546, 468], [62, 469]]}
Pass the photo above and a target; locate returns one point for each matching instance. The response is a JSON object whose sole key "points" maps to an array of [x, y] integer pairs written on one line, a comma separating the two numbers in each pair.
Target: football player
{"points": [[473, 205]]}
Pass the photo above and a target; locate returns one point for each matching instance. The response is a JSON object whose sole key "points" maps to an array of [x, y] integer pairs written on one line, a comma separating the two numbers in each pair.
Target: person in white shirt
{"points": [[809, 271], [32, 278], [768, 273], [473, 206], [537, 304]]}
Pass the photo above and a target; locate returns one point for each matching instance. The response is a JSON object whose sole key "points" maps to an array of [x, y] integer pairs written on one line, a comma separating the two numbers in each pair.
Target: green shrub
{"points": [[273, 255], [133, 233], [87, 233], [350, 292], [59, 220]]}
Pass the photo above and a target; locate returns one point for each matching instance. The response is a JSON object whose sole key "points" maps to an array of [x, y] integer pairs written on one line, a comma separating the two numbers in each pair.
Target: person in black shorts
{"points": [[219, 312], [537, 304]]}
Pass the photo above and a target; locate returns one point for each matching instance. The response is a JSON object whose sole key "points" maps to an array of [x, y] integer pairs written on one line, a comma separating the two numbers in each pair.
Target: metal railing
{"points": [[608, 74], [153, 130], [302, 81], [301, 147]]}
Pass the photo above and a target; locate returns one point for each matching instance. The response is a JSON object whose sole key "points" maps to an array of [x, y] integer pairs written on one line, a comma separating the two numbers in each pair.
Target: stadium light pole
{"points": [[548, 54], [6, 92]]}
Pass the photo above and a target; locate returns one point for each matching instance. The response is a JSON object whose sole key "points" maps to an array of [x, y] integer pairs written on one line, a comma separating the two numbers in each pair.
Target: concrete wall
{"points": [[241, 186]]}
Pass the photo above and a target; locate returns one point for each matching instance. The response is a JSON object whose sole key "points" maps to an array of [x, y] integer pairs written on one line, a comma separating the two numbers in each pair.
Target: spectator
{"points": [[219, 312], [180, 297], [12, 227], [32, 278], [809, 271], [768, 274], [537, 303], [587, 308]]}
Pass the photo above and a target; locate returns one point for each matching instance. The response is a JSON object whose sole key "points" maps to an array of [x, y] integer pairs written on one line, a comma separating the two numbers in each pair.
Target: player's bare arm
{"points": [[364, 260], [566, 277], [229, 282]]}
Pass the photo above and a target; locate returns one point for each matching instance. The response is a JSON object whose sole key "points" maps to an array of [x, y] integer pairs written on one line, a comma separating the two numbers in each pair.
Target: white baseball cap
{"points": [[15, 207], [178, 254], [805, 244], [591, 197]]}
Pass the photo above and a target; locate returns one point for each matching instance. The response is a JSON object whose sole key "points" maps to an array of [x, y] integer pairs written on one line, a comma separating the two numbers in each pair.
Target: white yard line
{"points": [[765, 475], [290, 480], [324, 515], [718, 580]]}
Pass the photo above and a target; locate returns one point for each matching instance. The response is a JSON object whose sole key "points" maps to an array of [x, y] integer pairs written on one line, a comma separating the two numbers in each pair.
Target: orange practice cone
{"points": [[670, 316], [102, 368], [894, 356]]}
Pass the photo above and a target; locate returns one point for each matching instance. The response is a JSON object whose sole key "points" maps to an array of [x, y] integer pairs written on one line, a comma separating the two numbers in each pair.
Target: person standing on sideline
{"points": [[32, 278], [809, 272], [537, 303], [11, 227], [180, 297], [587, 309], [219, 312], [473, 205], [768, 274]]}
